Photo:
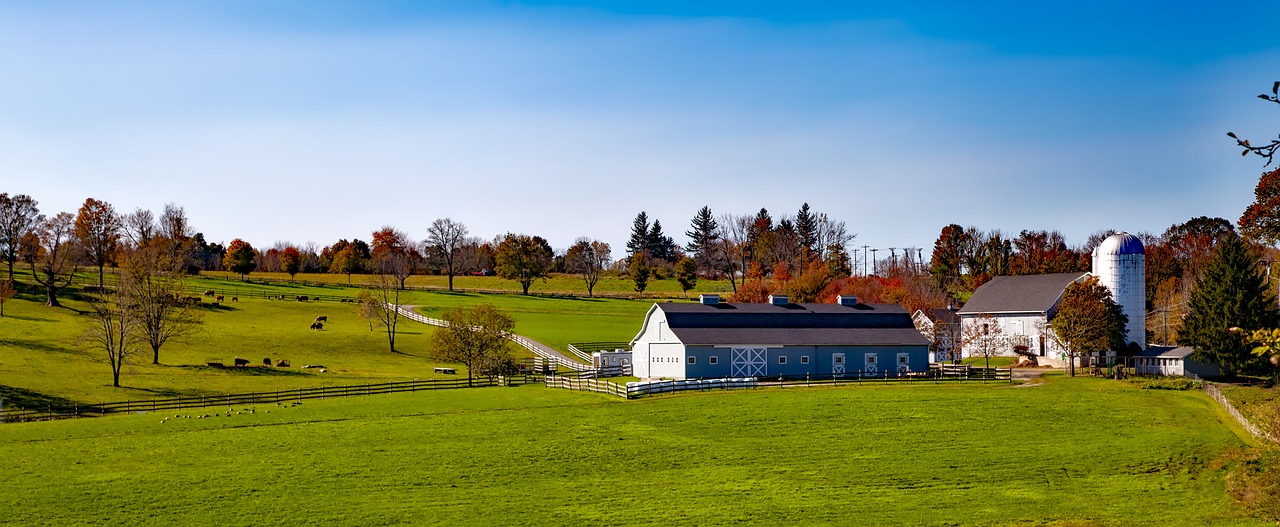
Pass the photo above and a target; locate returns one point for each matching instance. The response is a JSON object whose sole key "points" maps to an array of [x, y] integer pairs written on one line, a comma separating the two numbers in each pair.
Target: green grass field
{"points": [[1069, 452], [43, 358]]}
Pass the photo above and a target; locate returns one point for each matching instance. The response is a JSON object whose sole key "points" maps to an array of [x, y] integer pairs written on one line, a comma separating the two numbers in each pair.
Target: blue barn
{"points": [[711, 339]]}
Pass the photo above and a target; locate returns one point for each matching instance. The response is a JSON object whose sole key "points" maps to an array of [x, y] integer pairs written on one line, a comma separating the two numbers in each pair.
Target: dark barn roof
{"points": [[791, 324], [1035, 293]]}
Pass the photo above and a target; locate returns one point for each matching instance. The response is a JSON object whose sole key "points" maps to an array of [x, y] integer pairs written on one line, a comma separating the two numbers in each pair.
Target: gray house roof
{"points": [[791, 324], [1180, 352], [1036, 293]]}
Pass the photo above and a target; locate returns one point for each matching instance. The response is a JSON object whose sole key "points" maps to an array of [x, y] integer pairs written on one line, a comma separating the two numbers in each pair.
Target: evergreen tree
{"points": [[1230, 294], [639, 241], [660, 246], [704, 238], [944, 265], [806, 229]]}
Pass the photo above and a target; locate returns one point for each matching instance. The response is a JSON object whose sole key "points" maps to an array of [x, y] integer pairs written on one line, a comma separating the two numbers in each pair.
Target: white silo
{"points": [[1120, 263]]}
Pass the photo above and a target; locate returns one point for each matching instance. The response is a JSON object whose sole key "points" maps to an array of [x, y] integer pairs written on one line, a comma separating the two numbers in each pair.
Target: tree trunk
{"points": [[155, 357], [100, 266], [450, 280], [51, 294], [525, 286]]}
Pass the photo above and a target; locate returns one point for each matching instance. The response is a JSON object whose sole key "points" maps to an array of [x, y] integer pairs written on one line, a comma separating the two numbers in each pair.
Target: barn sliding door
{"points": [[748, 362]]}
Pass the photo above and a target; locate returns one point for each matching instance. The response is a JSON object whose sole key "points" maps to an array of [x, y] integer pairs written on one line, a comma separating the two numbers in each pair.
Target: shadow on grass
{"points": [[25, 318], [36, 345], [24, 398], [255, 371]]}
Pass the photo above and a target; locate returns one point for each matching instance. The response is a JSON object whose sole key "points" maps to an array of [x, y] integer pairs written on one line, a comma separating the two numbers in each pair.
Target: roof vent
{"points": [[709, 300], [778, 300], [847, 300]]}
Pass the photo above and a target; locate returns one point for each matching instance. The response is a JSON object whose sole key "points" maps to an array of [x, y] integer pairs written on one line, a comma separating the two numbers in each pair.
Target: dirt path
{"points": [[1029, 376]]}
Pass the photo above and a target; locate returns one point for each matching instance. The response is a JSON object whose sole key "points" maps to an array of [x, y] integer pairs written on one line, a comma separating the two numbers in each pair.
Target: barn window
{"points": [[693, 360], [840, 359], [804, 359], [712, 359], [782, 359]]}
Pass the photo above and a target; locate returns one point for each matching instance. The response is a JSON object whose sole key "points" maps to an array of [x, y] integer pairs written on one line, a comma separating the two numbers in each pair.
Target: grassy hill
{"points": [[1068, 452], [43, 358]]}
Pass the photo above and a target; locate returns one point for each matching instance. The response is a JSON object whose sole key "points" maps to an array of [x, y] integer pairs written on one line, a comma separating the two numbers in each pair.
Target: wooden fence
{"points": [[251, 399], [1216, 394]]}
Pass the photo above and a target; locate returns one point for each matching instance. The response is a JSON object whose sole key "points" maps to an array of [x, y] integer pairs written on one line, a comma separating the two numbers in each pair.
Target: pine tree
{"points": [[806, 228], [704, 237], [639, 241], [659, 245], [1230, 294]]}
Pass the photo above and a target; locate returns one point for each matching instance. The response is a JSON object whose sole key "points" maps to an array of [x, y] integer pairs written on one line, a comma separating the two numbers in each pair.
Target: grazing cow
{"points": [[316, 299], [301, 298], [241, 362], [217, 298], [266, 361], [208, 292], [282, 363], [235, 299], [322, 318], [317, 325]]}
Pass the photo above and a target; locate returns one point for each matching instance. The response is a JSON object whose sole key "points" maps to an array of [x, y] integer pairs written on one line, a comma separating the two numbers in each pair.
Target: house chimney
{"points": [[847, 300], [778, 300], [709, 300]]}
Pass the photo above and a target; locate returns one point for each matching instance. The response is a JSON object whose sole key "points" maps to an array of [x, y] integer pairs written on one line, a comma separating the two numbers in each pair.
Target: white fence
{"points": [[1214, 392], [635, 389], [528, 344]]}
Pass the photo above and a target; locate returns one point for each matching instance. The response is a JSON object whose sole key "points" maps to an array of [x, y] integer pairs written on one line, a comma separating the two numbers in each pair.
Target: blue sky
{"points": [[313, 121]]}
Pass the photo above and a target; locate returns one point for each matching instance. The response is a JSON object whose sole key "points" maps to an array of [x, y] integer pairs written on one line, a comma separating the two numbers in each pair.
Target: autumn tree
{"points": [[523, 258], [806, 226], [1231, 293], [1261, 220], [291, 261], [639, 270], [394, 254], [346, 257], [475, 337], [588, 258], [19, 216], [1088, 320], [446, 239], [174, 229], [113, 329], [56, 262], [734, 247], [7, 290], [687, 274], [241, 258], [98, 229]]}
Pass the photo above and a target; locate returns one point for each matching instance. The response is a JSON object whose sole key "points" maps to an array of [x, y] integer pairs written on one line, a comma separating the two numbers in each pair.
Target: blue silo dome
{"points": [[1120, 243]]}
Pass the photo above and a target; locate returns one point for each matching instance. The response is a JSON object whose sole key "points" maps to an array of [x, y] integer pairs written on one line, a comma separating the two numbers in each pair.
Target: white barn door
{"points": [[871, 366], [748, 362], [837, 364]]}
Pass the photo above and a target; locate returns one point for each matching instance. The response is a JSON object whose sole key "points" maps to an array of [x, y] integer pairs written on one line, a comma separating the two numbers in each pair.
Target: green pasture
{"points": [[43, 358], [1067, 452]]}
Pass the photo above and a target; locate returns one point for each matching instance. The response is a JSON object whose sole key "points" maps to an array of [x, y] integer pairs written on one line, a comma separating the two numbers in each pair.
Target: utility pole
{"points": [[893, 255], [864, 260], [873, 262]]}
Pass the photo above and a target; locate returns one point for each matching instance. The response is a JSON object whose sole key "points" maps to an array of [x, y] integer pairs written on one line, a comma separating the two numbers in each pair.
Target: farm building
{"points": [[1021, 306], [941, 327], [1169, 360], [711, 339]]}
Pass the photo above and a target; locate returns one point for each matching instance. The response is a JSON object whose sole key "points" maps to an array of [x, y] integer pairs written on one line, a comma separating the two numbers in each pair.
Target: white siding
{"points": [[1019, 329]]}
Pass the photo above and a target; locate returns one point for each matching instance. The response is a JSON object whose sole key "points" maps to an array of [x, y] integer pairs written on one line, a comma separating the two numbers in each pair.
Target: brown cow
{"points": [[317, 325], [322, 318], [208, 292], [241, 362], [217, 298], [301, 298]]}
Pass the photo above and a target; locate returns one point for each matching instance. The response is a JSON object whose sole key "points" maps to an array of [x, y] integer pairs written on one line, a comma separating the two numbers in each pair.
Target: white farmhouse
{"points": [[1022, 307]]}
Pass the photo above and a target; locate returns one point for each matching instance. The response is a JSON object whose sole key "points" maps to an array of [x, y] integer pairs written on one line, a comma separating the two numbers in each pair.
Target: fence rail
{"points": [[254, 398], [1216, 394], [584, 349], [524, 342]]}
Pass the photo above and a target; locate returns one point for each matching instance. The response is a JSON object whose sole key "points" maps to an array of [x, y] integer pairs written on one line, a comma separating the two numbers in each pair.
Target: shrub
{"points": [[1165, 383]]}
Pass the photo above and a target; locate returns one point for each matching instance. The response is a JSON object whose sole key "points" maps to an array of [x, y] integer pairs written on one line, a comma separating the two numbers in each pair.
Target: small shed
{"points": [[1170, 360], [711, 339]]}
